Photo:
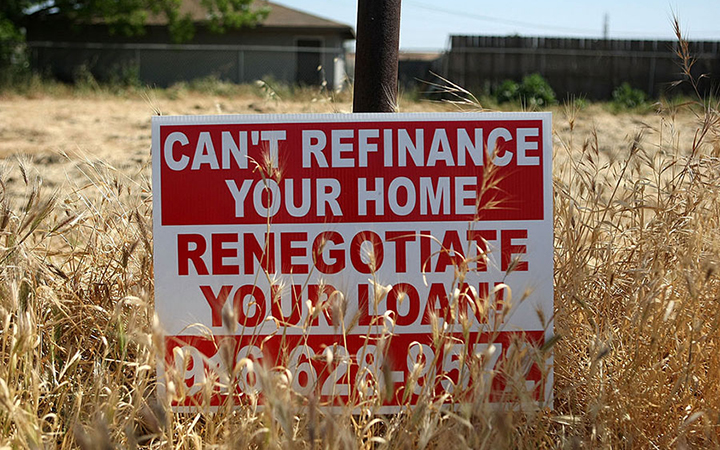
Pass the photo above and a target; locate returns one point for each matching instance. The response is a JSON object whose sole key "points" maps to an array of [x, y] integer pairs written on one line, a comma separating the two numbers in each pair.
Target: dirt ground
{"points": [[57, 132]]}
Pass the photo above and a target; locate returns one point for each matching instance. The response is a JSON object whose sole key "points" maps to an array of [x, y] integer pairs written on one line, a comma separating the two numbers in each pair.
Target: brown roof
{"points": [[279, 17], [282, 16]]}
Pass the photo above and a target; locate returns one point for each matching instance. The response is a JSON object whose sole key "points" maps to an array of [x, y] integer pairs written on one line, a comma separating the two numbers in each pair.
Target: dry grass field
{"points": [[637, 293], [59, 130]]}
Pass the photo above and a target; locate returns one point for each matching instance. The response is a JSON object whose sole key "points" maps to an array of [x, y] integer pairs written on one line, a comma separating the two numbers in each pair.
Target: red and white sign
{"points": [[339, 246]]}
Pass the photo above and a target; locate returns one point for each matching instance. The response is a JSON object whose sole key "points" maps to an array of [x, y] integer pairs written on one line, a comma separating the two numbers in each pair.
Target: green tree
{"points": [[125, 17], [10, 33]]}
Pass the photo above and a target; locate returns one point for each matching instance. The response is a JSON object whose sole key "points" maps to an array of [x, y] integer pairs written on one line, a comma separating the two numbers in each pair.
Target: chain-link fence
{"points": [[163, 64]]}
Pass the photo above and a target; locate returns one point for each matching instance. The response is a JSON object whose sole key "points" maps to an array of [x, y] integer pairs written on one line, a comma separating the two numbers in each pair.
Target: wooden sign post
{"points": [[376, 56]]}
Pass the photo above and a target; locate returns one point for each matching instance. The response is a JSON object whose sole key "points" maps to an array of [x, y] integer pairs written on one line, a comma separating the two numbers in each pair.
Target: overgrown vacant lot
{"points": [[637, 363], [57, 129]]}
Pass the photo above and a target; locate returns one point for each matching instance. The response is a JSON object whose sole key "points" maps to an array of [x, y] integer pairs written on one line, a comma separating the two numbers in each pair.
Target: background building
{"points": [[289, 46]]}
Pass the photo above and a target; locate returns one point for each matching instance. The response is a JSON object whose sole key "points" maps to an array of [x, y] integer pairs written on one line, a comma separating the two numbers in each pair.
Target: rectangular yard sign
{"points": [[388, 258]]}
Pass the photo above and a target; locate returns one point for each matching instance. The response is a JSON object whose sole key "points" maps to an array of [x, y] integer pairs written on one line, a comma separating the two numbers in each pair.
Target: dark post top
{"points": [[376, 56]]}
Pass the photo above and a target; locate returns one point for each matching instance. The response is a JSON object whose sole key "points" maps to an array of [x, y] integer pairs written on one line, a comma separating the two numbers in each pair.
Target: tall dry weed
{"points": [[637, 286]]}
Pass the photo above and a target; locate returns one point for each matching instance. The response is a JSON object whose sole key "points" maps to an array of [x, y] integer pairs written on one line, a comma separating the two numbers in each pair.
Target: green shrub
{"points": [[14, 65], [507, 92], [125, 75], [533, 91], [627, 97]]}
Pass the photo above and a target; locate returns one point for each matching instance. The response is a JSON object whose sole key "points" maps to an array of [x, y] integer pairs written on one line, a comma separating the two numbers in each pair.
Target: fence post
{"points": [[241, 66], [376, 56]]}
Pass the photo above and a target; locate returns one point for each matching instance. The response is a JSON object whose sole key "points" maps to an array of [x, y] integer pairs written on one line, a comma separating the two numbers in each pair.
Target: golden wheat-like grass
{"points": [[637, 300]]}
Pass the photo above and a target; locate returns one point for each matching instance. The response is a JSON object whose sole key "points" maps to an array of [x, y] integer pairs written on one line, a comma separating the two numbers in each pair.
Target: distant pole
{"points": [[606, 26], [376, 56]]}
